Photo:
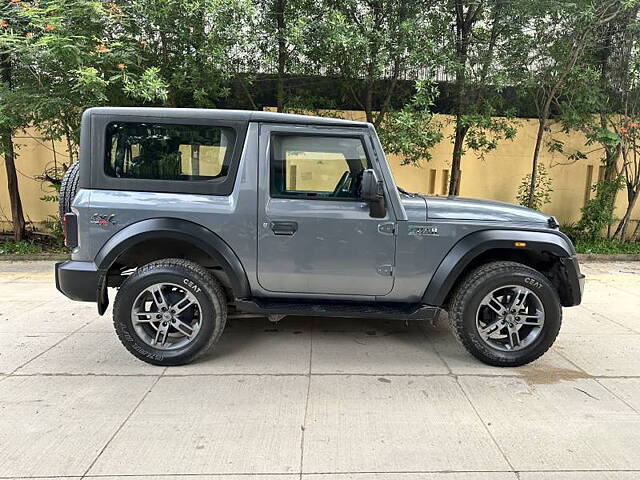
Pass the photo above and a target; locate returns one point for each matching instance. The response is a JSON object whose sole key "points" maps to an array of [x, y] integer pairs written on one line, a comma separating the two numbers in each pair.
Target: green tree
{"points": [[60, 57], [481, 51], [559, 34], [372, 45], [542, 195], [196, 47], [411, 131], [287, 40], [600, 100]]}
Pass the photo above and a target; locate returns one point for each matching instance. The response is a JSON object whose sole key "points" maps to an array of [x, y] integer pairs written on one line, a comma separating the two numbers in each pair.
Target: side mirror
{"points": [[372, 192]]}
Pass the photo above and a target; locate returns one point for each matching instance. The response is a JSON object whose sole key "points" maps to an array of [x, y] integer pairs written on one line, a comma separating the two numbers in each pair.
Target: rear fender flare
{"points": [[475, 244], [178, 229]]}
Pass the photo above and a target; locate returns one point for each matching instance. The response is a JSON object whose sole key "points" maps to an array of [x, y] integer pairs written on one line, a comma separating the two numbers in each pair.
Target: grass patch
{"points": [[605, 245], [34, 245], [23, 247]]}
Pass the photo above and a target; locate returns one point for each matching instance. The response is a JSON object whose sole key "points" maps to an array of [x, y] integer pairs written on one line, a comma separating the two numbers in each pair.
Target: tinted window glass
{"points": [[308, 166], [158, 151]]}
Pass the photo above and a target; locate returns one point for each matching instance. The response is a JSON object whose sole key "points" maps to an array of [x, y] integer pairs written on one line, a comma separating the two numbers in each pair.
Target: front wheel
{"points": [[169, 312], [506, 314]]}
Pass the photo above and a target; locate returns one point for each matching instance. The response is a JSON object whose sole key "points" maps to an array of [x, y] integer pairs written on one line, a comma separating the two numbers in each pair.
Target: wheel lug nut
{"points": [[158, 316], [173, 321], [164, 324]]}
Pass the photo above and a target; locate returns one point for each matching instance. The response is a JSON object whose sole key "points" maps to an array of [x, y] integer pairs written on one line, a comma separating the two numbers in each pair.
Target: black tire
{"points": [[480, 282], [68, 189], [202, 285]]}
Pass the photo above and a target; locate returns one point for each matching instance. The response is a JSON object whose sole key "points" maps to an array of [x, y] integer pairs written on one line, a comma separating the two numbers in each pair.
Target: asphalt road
{"points": [[317, 398]]}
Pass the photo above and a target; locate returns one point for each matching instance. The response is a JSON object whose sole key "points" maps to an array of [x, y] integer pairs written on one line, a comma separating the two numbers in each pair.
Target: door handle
{"points": [[284, 228]]}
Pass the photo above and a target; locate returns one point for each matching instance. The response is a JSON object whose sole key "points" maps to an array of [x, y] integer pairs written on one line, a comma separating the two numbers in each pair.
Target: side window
{"points": [[159, 151], [316, 167]]}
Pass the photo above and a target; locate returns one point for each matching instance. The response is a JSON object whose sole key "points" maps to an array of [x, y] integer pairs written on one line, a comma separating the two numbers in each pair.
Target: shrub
{"points": [[542, 193]]}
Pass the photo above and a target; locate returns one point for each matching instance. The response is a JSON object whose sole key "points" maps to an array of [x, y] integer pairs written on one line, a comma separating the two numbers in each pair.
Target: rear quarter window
{"points": [[168, 152]]}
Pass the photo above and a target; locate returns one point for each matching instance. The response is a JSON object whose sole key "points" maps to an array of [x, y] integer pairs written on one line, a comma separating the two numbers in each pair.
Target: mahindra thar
{"points": [[200, 215]]}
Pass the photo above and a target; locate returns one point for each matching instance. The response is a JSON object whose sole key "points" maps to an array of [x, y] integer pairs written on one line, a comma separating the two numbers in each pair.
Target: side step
{"points": [[387, 311]]}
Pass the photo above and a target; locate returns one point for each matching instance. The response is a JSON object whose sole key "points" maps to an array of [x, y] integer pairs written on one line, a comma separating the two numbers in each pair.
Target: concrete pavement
{"points": [[321, 399]]}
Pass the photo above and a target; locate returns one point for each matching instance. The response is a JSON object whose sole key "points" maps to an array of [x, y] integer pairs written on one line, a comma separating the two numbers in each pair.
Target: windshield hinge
{"points": [[385, 270], [388, 228]]}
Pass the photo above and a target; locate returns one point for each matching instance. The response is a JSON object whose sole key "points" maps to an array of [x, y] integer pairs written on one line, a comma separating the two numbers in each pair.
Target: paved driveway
{"points": [[325, 398]]}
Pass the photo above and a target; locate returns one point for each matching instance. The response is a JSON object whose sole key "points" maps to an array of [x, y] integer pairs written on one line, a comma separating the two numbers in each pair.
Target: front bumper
{"points": [[574, 281], [78, 280]]}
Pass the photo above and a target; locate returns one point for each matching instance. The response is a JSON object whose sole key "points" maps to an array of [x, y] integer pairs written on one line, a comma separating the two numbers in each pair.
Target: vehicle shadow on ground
{"points": [[332, 345]]}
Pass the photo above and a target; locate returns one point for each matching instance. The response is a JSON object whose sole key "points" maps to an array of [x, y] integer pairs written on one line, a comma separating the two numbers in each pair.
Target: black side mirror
{"points": [[372, 192]]}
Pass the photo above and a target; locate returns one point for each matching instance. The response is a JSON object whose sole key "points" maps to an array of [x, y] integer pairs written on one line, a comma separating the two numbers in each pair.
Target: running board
{"points": [[350, 310]]}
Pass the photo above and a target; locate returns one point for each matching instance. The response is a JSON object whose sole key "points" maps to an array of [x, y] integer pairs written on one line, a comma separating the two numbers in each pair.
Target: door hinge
{"points": [[385, 270], [387, 228]]}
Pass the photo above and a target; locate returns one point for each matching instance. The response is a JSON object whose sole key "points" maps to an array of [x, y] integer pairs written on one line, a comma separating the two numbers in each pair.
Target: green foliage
{"points": [[148, 87], [66, 55], [542, 193], [598, 213], [22, 247], [371, 45], [485, 131], [607, 246], [411, 131], [54, 227], [571, 231]]}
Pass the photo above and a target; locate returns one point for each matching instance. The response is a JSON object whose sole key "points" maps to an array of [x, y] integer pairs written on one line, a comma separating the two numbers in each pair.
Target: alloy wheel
{"points": [[510, 318], [166, 316]]}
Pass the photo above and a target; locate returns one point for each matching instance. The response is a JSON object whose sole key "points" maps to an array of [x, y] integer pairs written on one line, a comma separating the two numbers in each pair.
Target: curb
{"points": [[35, 257], [609, 257]]}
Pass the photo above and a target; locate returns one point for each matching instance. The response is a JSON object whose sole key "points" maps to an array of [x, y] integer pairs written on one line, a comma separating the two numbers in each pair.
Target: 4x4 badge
{"points": [[103, 220], [419, 230]]}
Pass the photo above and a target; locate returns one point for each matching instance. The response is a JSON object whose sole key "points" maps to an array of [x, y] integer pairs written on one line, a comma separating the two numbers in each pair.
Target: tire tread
{"points": [[461, 297], [209, 282], [68, 189]]}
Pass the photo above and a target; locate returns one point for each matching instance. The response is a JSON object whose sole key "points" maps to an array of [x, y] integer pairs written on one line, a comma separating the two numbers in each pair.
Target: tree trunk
{"points": [[368, 101], [636, 234], [17, 215], [6, 146], [621, 230], [464, 24], [456, 159], [542, 123], [282, 54]]}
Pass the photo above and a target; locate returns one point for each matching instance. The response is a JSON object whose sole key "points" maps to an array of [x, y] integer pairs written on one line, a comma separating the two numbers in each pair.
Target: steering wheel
{"points": [[341, 183]]}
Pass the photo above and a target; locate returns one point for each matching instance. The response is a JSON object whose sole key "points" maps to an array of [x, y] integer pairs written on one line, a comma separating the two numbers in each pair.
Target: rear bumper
{"points": [[574, 282], [78, 280]]}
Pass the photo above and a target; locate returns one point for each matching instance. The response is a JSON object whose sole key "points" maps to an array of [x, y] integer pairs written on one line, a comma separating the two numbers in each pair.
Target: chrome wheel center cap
{"points": [[509, 318], [166, 316]]}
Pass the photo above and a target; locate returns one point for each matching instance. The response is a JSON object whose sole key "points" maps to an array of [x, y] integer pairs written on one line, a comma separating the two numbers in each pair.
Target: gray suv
{"points": [[196, 216]]}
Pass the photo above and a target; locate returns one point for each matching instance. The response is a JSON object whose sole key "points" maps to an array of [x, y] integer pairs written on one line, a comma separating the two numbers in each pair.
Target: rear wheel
{"points": [[506, 314], [170, 312]]}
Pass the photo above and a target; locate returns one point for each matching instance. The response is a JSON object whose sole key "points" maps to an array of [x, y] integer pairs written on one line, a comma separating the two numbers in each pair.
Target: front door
{"points": [[315, 234]]}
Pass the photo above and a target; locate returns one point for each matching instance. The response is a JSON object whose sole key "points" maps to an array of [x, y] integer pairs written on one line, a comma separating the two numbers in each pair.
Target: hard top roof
{"points": [[221, 114]]}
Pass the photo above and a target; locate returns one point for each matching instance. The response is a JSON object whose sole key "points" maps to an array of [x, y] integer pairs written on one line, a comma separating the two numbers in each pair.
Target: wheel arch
{"points": [[149, 239], [543, 251]]}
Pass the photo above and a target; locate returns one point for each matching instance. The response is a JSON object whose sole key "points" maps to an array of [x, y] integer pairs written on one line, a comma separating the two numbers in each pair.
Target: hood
{"points": [[415, 206], [457, 208]]}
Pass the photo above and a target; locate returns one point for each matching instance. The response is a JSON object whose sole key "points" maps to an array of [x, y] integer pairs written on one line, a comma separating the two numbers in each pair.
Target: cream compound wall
{"points": [[496, 177], [35, 155]]}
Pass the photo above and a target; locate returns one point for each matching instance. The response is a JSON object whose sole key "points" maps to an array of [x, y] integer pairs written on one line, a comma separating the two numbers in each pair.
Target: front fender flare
{"points": [[474, 244], [176, 229]]}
